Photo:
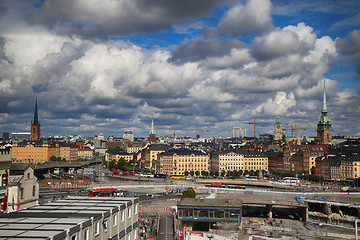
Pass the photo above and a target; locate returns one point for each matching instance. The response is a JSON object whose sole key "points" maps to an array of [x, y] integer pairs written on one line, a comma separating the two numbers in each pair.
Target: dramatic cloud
{"points": [[231, 66], [349, 47], [241, 20], [117, 17]]}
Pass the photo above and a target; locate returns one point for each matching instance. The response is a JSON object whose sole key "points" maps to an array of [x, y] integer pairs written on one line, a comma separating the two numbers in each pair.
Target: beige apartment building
{"points": [[85, 153], [149, 155], [239, 160], [180, 161], [254, 160], [34, 152]]}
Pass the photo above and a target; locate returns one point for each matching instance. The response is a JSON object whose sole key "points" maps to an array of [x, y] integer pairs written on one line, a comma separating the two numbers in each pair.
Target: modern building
{"points": [[35, 126], [237, 132], [74, 218], [324, 130], [20, 136], [278, 129], [204, 214], [128, 135]]}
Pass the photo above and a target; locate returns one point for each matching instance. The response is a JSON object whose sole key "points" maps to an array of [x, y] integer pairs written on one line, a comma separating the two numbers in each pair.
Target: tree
{"points": [[186, 173], [53, 158], [246, 172], [189, 193], [212, 173], [112, 164], [192, 173], [216, 173], [257, 172], [197, 173], [204, 173], [223, 173], [240, 172], [252, 172]]}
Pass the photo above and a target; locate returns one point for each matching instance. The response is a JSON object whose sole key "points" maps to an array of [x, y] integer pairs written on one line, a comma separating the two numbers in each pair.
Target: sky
{"points": [[105, 66]]}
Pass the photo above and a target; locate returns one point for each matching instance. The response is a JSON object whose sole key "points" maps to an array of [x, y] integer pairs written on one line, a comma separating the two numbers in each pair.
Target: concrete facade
{"points": [[82, 218]]}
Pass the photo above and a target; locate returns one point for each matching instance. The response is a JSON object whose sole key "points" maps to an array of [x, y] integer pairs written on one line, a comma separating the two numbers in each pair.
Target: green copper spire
{"points": [[152, 129], [324, 122], [278, 123], [324, 108]]}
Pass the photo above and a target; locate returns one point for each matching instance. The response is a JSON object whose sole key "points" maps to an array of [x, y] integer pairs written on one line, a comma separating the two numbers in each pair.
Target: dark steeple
{"points": [[36, 116], [35, 126]]}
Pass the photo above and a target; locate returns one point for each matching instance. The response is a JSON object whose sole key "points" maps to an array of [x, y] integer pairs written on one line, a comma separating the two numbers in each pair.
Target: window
{"points": [[28, 175], [97, 228], [129, 212], [105, 225], [74, 237], [86, 234], [34, 191], [21, 193], [122, 216], [114, 219]]}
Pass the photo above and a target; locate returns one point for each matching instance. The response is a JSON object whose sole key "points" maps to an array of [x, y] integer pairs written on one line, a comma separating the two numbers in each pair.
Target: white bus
{"points": [[291, 180]]}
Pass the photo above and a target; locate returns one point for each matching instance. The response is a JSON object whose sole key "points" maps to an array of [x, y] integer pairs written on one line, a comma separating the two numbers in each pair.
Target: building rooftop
{"points": [[54, 219], [196, 202]]}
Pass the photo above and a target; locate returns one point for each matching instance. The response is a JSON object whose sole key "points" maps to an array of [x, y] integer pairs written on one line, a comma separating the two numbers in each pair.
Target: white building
{"points": [[237, 132], [227, 161], [23, 188], [20, 136]]}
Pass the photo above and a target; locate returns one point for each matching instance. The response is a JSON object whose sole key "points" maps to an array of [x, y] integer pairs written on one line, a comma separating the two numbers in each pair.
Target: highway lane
{"points": [[166, 228]]}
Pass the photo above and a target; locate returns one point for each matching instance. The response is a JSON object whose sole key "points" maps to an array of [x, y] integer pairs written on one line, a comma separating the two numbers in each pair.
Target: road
{"points": [[166, 228]]}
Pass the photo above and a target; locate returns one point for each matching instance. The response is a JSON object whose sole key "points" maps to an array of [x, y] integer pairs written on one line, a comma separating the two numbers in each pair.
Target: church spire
{"points": [[324, 108], [35, 125], [152, 137], [152, 129], [36, 116], [324, 130]]}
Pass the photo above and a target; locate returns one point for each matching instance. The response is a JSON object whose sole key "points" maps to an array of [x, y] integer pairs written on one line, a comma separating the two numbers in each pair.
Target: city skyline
{"points": [[210, 64]]}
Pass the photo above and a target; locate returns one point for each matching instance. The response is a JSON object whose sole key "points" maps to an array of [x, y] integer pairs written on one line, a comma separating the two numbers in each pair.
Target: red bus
{"points": [[104, 192], [218, 185]]}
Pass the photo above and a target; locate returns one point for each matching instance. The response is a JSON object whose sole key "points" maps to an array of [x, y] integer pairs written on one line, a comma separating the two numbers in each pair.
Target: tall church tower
{"points": [[35, 126], [152, 137], [324, 130], [278, 129]]}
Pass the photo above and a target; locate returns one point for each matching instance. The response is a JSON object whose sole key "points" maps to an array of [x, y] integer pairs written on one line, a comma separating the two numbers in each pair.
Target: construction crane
{"points": [[257, 123], [203, 130], [296, 127]]}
